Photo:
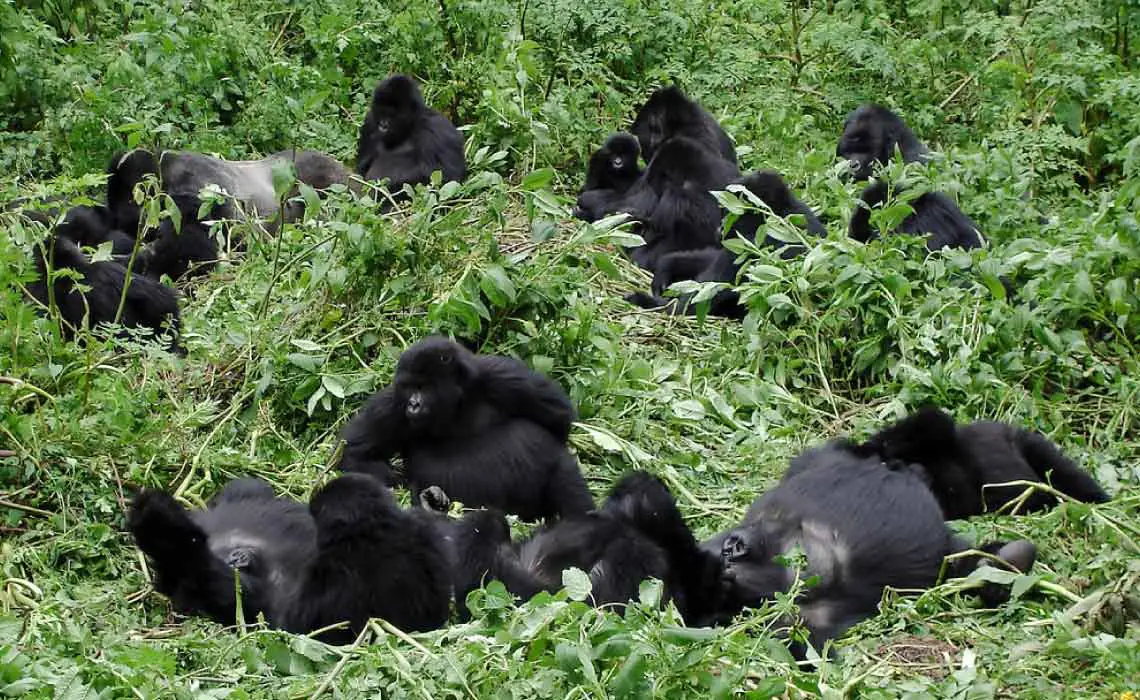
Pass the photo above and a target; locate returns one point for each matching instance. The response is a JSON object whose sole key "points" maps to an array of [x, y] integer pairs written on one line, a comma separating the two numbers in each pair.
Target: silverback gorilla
{"points": [[190, 247], [487, 430], [404, 141], [870, 136]]}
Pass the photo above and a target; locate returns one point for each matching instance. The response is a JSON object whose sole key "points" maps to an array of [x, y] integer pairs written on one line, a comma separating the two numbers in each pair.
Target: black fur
{"points": [[374, 559], [612, 171], [404, 141], [716, 263], [637, 534], [870, 136], [189, 247], [149, 304], [488, 430], [268, 541], [861, 526], [958, 462], [672, 200], [669, 113]]}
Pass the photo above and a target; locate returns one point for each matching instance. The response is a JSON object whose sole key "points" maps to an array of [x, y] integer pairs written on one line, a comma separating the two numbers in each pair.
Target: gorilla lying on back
{"points": [[487, 430], [404, 141], [612, 171], [718, 264], [668, 113], [353, 554], [869, 138], [148, 304], [637, 534], [672, 200], [957, 462], [862, 526], [182, 175]]}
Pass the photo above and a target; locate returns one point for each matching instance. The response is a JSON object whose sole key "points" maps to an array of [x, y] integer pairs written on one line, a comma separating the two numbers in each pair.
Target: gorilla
{"points": [[862, 527], [869, 138], [266, 542], [612, 171], [672, 200], [487, 430], [189, 247], [351, 555], [718, 264], [638, 533], [959, 462], [668, 113], [404, 141], [373, 559], [149, 305]]}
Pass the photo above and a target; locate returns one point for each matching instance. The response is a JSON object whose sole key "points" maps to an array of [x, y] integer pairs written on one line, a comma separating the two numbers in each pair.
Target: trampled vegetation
{"points": [[1034, 108]]}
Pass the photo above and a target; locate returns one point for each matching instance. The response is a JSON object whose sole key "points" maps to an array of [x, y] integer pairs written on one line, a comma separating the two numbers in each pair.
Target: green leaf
{"points": [[577, 584]]}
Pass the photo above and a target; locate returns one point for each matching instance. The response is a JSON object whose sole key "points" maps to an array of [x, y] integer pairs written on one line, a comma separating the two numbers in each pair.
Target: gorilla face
{"points": [[396, 104], [430, 380], [871, 134]]}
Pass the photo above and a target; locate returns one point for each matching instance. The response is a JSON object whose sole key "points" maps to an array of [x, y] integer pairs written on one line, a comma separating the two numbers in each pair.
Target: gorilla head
{"points": [[614, 165], [668, 113], [870, 135], [430, 383], [396, 104]]}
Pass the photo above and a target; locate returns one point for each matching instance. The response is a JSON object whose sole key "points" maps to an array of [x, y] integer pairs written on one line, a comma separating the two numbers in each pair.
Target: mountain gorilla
{"points": [[148, 305], [669, 113], [353, 554], [869, 138], [638, 533], [404, 141], [672, 200], [958, 462], [267, 542], [177, 250], [862, 527], [716, 263], [374, 559], [487, 430], [612, 171]]}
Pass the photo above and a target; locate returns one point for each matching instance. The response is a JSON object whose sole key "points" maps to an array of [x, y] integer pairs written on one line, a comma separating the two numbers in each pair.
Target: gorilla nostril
{"points": [[734, 548]]}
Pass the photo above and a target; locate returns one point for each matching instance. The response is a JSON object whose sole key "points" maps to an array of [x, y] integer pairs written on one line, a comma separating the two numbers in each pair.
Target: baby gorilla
{"points": [[958, 462], [718, 264], [612, 171], [637, 534], [148, 304], [404, 141], [374, 559], [267, 541], [862, 527], [487, 430], [668, 113], [869, 138], [189, 247]]}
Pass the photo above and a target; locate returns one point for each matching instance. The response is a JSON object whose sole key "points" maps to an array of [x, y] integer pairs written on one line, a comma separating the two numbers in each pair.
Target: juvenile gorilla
{"points": [[958, 462], [637, 534], [190, 247], [869, 138], [487, 430], [716, 263], [668, 113], [404, 141], [268, 541], [612, 171], [352, 555], [861, 526], [672, 200], [148, 304], [374, 559]]}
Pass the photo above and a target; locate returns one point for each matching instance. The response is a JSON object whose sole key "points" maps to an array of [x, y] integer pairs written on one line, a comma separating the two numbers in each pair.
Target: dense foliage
{"points": [[1033, 106]]}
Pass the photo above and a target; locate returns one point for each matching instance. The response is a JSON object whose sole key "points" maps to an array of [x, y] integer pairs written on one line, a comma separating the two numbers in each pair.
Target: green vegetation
{"points": [[282, 347]]}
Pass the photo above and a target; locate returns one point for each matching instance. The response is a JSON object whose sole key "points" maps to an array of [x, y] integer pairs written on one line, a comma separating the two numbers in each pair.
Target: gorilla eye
{"points": [[444, 358]]}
